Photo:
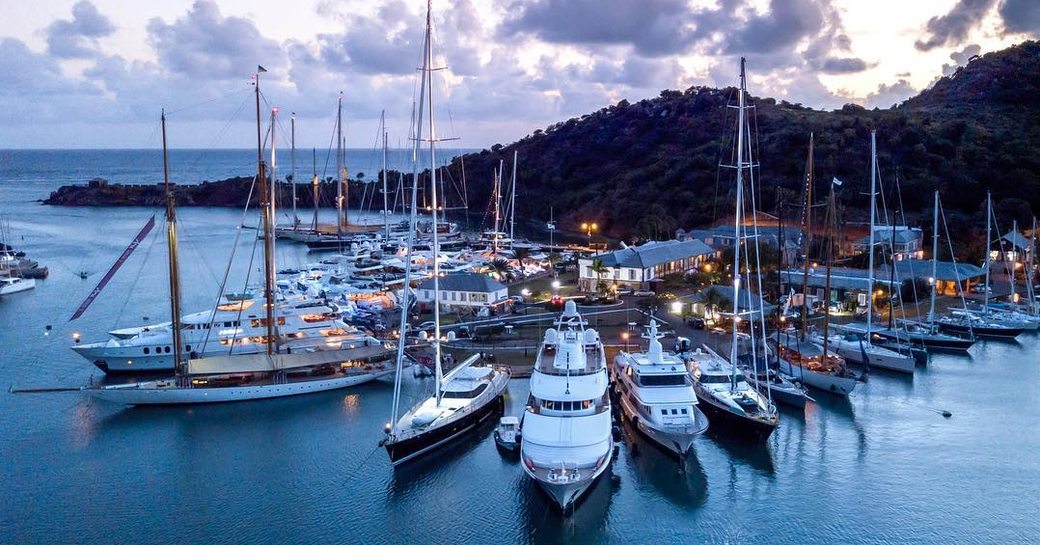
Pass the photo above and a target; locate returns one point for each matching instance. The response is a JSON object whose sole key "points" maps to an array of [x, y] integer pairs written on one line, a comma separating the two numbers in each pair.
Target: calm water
{"points": [[879, 468]]}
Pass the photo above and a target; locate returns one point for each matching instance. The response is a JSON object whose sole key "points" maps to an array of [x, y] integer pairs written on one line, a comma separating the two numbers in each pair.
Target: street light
{"points": [[555, 284], [589, 228], [624, 337]]}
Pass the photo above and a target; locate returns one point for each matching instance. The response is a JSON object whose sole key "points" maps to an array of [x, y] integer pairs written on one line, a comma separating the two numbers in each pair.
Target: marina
{"points": [[267, 359]]}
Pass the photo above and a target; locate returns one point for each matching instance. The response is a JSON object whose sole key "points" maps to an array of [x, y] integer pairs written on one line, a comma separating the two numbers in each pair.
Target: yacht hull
{"points": [[727, 421], [892, 362], [418, 445], [678, 442], [821, 381], [983, 331], [790, 397], [148, 393], [566, 494]]}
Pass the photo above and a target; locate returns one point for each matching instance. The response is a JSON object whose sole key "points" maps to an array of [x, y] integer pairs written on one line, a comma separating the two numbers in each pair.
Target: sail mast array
{"points": [[736, 227]]}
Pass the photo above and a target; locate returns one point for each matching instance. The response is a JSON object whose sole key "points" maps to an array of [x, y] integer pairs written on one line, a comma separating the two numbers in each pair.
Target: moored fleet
{"points": [[321, 327]]}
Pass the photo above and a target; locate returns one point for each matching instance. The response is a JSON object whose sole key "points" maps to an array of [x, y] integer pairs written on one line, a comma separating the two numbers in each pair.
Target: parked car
{"points": [[643, 293], [556, 303], [981, 288], [624, 291], [698, 323], [428, 325]]}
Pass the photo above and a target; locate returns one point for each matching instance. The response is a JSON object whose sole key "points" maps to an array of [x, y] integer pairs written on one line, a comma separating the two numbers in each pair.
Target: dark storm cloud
{"points": [[77, 38], [204, 44], [953, 27], [1020, 15], [785, 24], [652, 27], [843, 65]]}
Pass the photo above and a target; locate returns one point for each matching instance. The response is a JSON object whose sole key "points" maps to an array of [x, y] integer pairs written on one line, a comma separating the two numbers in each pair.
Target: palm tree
{"points": [[713, 300], [599, 269], [500, 267]]}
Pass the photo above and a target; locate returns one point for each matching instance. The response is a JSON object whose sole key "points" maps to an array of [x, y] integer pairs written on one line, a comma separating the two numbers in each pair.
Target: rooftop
{"points": [[465, 281], [654, 253]]}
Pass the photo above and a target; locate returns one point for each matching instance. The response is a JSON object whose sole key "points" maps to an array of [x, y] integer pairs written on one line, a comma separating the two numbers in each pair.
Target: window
{"points": [[664, 411], [684, 411], [631, 274], [444, 296], [469, 394], [167, 350], [662, 380], [146, 350], [675, 411]]}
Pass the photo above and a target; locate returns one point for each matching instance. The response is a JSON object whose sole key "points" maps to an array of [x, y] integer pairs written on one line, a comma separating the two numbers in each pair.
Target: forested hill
{"points": [[644, 168]]}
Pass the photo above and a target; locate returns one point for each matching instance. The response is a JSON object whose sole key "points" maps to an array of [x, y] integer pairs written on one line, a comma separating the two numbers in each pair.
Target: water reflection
{"points": [[681, 481], [435, 468], [585, 522], [744, 450]]}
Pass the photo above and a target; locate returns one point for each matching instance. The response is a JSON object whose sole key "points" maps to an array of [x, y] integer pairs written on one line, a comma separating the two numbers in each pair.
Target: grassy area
{"points": [[541, 287]]}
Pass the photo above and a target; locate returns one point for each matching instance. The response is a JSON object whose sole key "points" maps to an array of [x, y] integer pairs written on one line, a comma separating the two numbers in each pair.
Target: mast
{"points": [[498, 190], [807, 226], [1029, 269], [174, 270], [427, 67], [512, 202], [935, 258], [829, 241], [412, 217], [340, 192], [265, 211], [315, 184], [292, 161], [989, 241], [870, 260], [736, 226], [386, 208], [274, 173]]}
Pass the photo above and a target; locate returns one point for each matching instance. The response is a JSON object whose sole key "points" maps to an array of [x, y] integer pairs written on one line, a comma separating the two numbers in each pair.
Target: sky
{"points": [[97, 73]]}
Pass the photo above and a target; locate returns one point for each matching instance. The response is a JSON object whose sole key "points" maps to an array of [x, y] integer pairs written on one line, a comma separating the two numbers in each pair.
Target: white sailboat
{"points": [[467, 395], [854, 346]]}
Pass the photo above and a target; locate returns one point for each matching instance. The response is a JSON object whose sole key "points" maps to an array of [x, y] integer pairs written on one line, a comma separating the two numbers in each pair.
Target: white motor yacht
{"points": [[237, 326], [566, 429], [656, 394], [15, 284]]}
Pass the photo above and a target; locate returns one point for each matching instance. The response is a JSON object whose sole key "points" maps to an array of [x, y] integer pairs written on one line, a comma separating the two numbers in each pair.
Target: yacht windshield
{"points": [[467, 394], [663, 380]]}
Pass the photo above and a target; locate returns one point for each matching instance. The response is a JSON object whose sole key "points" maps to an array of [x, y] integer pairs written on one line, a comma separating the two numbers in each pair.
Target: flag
{"points": [[260, 69], [836, 181], [115, 267]]}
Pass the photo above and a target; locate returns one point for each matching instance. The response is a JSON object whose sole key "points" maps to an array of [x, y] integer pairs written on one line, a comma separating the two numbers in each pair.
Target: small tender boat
{"points": [[507, 434], [782, 389]]}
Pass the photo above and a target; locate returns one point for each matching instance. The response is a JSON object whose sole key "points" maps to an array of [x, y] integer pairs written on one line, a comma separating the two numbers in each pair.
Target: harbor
{"points": [[377, 350]]}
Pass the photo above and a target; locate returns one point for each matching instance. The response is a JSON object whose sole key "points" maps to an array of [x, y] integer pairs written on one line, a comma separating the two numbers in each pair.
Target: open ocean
{"points": [[882, 467]]}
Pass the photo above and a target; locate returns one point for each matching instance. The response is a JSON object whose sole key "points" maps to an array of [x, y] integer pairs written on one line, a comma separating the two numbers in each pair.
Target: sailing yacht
{"points": [[656, 394], [245, 376], [854, 346], [15, 284], [724, 394], [468, 394], [567, 441]]}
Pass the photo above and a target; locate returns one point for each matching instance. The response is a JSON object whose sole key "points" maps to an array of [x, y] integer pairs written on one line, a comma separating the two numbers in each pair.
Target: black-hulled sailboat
{"points": [[468, 394]]}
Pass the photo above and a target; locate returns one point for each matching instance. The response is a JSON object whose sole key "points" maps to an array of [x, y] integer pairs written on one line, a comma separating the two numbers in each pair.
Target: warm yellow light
{"points": [[624, 335], [707, 267], [584, 226], [595, 227]]}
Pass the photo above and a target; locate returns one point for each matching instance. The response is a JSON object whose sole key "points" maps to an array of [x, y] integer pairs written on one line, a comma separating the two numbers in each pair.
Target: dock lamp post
{"points": [[589, 228]]}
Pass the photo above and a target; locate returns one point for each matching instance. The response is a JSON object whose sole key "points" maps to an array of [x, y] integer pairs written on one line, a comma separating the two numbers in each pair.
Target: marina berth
{"points": [[731, 404], [566, 428]]}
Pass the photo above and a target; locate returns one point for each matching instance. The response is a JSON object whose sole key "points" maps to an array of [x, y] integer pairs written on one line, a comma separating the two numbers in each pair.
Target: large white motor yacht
{"points": [[656, 394], [566, 429], [237, 326]]}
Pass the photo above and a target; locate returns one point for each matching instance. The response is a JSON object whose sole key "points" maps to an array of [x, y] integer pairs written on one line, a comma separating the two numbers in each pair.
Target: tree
{"points": [[599, 269], [500, 268], [714, 300]]}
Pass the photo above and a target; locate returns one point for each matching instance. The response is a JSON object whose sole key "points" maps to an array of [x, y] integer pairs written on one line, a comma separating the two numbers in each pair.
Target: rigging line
{"points": [[723, 139], [953, 258], [245, 288], [231, 259], [218, 98]]}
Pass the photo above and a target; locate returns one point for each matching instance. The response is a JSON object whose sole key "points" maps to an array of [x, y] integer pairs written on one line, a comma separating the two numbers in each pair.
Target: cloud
{"points": [[843, 65], [1020, 15], [205, 45], [652, 27], [953, 27], [77, 38], [887, 95], [785, 24]]}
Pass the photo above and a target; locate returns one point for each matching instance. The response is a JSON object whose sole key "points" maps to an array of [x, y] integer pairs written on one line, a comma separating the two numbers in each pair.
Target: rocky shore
{"points": [[231, 192]]}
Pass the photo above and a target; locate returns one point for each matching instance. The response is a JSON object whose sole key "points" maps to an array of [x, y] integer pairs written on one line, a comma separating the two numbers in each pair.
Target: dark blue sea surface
{"points": [[881, 467]]}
